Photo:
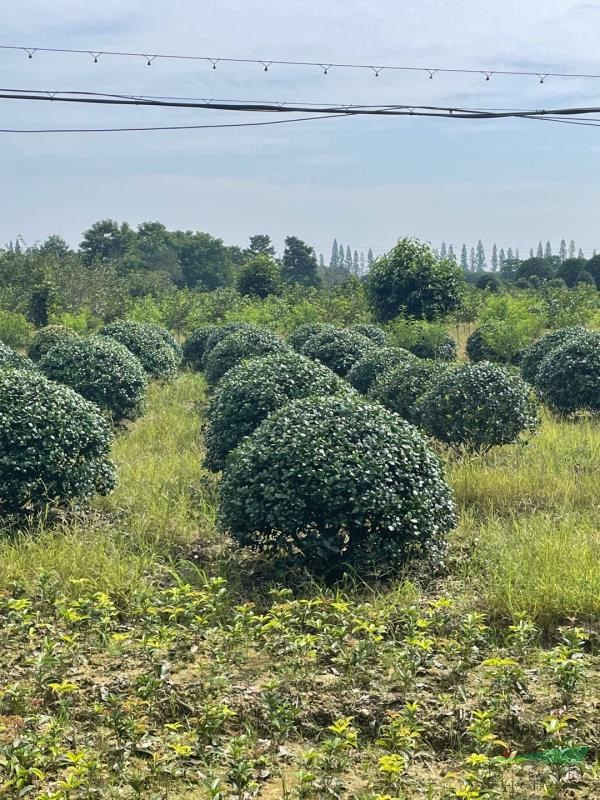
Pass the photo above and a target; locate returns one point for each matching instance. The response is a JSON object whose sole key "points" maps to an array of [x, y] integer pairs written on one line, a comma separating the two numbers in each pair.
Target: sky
{"points": [[366, 181]]}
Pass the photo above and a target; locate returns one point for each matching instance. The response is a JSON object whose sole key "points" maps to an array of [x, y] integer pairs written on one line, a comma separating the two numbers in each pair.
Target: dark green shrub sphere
{"points": [[195, 345], [236, 348], [219, 333], [10, 358], [251, 391], [338, 349], [102, 370], [534, 354], [366, 371], [477, 406], [445, 349], [568, 379], [401, 388], [156, 357], [341, 481], [489, 283], [372, 332], [45, 338], [300, 335], [479, 348], [167, 337], [54, 444]]}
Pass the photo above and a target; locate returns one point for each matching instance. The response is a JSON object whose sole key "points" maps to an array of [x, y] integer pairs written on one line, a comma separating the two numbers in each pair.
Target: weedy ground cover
{"points": [[144, 656]]}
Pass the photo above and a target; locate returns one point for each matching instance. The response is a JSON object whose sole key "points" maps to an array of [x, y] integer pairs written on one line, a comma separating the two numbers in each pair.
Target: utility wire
{"points": [[447, 112], [325, 66]]}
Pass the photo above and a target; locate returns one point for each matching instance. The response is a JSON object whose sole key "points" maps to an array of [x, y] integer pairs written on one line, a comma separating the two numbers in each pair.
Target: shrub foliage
{"points": [[340, 480], [300, 335], [156, 357], [568, 378], [372, 332], [535, 353], [101, 370], [253, 390], [238, 346], [401, 388], [45, 338], [219, 333], [54, 444], [375, 363], [10, 358], [477, 406], [339, 350], [195, 346]]}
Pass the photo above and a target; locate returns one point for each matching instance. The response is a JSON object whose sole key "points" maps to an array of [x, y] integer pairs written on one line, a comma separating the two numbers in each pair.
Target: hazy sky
{"points": [[365, 181]]}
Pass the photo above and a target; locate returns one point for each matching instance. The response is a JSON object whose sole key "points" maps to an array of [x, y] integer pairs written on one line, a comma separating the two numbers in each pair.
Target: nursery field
{"points": [[144, 655]]}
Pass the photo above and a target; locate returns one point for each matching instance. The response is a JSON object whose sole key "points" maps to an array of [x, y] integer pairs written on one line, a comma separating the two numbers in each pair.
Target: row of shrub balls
{"points": [[59, 404], [321, 439]]}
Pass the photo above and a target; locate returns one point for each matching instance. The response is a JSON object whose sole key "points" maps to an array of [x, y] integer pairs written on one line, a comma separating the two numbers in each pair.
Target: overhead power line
{"points": [[325, 65]]}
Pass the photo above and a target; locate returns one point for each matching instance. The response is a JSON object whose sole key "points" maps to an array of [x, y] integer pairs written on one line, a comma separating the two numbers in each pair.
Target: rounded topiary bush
{"points": [[54, 444], [338, 349], [195, 345], [223, 331], [238, 346], [341, 481], [477, 406], [535, 353], [300, 335], [45, 338], [438, 349], [366, 371], [10, 358], [372, 332], [401, 388], [167, 337], [568, 379], [253, 390], [479, 348], [156, 357], [101, 370]]}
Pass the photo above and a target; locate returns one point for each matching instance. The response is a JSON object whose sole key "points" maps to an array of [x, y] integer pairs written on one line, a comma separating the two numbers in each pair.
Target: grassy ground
{"points": [[145, 657]]}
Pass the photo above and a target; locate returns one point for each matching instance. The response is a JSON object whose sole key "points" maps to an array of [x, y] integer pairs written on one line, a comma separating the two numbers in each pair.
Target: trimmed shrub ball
{"points": [[375, 363], [101, 370], [342, 481], [253, 390], [54, 444], [444, 349], [477, 406], [401, 388], [223, 331], [10, 358], [537, 352], [300, 335], [236, 348], [45, 338], [338, 349], [372, 332], [157, 358], [167, 337], [480, 349], [568, 378], [195, 345]]}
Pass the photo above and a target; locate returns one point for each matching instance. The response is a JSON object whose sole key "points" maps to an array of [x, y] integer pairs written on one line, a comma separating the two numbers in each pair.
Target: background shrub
{"points": [[219, 333], [54, 444], [401, 388], [366, 371], [568, 378], [339, 350], [535, 353], [10, 358], [195, 345], [482, 344], [238, 346], [423, 339], [372, 332], [15, 329], [340, 480], [300, 335], [156, 357], [102, 370], [251, 391], [259, 277], [45, 338], [167, 337], [477, 406], [410, 280]]}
